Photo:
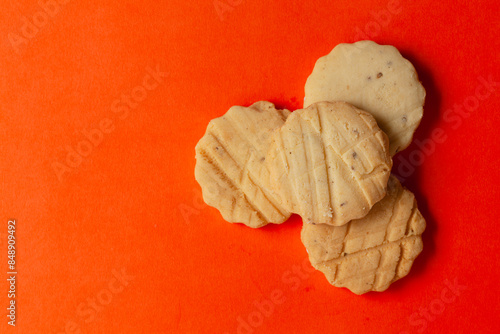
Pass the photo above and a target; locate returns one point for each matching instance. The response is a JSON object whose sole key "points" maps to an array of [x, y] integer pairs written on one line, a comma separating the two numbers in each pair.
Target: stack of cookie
{"points": [[329, 163]]}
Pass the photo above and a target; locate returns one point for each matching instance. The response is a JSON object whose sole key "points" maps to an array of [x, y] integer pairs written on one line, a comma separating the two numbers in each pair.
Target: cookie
{"points": [[371, 253], [231, 167], [329, 163], [375, 78]]}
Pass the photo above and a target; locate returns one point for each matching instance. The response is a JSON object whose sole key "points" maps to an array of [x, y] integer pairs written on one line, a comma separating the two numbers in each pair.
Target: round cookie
{"points": [[329, 163], [375, 78], [231, 168], [371, 253]]}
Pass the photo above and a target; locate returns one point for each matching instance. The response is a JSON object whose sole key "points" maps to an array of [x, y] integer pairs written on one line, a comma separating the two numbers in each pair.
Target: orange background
{"points": [[128, 206]]}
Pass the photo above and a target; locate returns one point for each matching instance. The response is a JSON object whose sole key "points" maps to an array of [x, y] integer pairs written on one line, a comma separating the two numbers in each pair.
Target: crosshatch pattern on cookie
{"points": [[330, 163], [231, 166], [371, 253]]}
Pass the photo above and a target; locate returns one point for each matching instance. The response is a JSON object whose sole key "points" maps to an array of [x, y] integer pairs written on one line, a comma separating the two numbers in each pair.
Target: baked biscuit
{"points": [[369, 254], [329, 163], [375, 78], [231, 168]]}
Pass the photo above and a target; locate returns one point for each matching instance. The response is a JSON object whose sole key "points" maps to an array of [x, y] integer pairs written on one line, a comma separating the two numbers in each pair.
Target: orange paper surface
{"points": [[102, 104]]}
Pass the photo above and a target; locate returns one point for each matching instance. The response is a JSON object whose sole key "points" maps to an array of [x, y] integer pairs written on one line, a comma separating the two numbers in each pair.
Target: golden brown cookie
{"points": [[375, 78], [231, 167], [369, 254], [329, 163]]}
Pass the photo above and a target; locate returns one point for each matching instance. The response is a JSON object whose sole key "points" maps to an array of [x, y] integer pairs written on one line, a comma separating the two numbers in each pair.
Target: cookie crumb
{"points": [[329, 213]]}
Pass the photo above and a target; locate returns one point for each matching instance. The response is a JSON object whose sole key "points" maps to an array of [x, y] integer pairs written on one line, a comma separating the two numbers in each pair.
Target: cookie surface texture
{"points": [[231, 168], [329, 163], [375, 78], [371, 253]]}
